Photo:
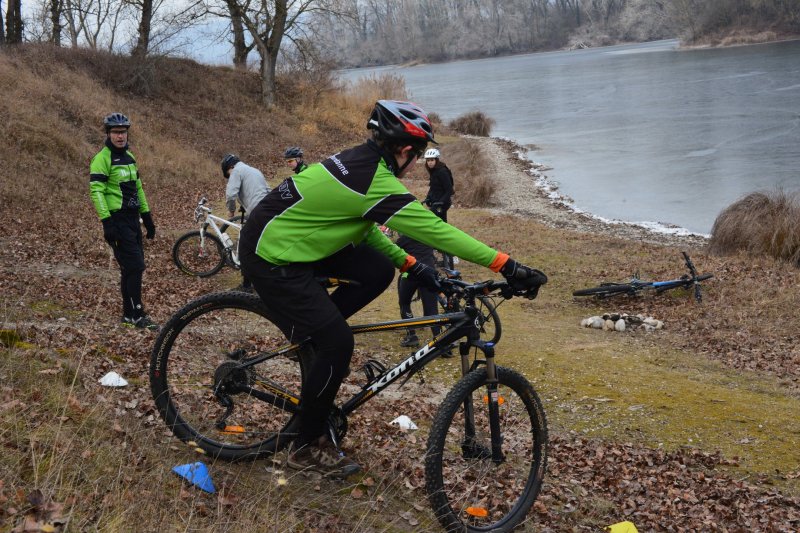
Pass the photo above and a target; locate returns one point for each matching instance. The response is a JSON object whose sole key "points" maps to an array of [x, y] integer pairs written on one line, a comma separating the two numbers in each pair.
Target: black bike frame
{"points": [[461, 324]]}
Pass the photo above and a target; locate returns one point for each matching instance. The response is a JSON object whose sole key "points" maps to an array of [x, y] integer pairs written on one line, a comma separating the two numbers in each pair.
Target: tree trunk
{"points": [[240, 48], [14, 22], [56, 7], [269, 55], [2, 30], [143, 42]]}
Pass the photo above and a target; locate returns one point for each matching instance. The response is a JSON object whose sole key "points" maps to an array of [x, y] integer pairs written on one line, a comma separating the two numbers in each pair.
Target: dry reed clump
{"points": [[468, 164], [760, 224], [473, 123]]}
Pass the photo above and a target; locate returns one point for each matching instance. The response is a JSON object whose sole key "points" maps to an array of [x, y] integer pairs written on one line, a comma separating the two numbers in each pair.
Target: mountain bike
{"points": [[223, 377], [203, 253], [636, 285]]}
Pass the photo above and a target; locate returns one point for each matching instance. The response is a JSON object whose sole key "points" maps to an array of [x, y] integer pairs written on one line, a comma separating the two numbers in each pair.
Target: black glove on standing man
{"points": [[147, 220], [109, 230]]}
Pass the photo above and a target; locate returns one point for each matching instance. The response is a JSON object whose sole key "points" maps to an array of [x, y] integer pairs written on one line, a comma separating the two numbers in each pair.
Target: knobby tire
{"points": [[462, 481], [197, 349]]}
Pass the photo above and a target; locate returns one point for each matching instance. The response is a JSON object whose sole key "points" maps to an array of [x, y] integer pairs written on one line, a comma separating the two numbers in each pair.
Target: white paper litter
{"points": [[112, 379], [404, 422]]}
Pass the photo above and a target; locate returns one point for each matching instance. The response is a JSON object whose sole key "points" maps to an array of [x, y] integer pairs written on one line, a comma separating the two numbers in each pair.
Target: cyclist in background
{"points": [[440, 189], [294, 159], [324, 222], [247, 185], [115, 187], [407, 286]]}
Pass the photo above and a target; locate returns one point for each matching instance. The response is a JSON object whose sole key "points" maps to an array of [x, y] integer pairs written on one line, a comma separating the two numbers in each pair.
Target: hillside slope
{"points": [[691, 428]]}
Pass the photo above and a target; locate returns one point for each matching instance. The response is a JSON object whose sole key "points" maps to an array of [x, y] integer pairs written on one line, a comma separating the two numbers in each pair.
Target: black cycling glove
{"points": [[523, 280], [425, 275], [147, 220], [109, 230]]}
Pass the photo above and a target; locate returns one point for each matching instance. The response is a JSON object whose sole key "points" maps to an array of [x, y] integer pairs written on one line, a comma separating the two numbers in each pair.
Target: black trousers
{"points": [[302, 308], [129, 253], [406, 287]]}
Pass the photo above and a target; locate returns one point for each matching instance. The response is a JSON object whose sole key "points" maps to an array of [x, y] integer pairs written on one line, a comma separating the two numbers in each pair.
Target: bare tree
{"points": [[268, 22], [240, 47], [56, 9], [145, 7], [14, 22]]}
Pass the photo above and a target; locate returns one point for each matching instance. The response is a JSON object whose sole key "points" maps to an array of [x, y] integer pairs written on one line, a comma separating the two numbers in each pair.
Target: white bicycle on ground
{"points": [[205, 251]]}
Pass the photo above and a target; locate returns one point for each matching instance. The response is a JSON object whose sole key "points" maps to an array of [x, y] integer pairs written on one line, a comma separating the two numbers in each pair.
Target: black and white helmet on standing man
{"points": [[228, 162], [116, 120]]}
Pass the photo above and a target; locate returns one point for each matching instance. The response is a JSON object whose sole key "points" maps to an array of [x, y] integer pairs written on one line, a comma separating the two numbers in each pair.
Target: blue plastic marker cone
{"points": [[196, 474]]}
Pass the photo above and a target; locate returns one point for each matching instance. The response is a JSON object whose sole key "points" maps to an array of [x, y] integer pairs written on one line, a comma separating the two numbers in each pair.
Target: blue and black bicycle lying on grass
{"points": [[635, 286]]}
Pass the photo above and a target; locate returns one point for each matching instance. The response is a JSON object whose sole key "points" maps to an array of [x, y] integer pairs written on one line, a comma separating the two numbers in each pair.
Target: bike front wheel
{"points": [[207, 397], [470, 485], [490, 325], [199, 255]]}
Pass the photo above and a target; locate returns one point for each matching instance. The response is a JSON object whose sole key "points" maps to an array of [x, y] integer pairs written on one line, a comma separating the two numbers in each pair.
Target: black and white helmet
{"points": [[401, 121], [116, 120]]}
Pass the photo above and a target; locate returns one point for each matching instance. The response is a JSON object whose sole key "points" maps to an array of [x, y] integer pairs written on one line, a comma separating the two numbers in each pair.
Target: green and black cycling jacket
{"points": [[338, 202], [114, 183]]}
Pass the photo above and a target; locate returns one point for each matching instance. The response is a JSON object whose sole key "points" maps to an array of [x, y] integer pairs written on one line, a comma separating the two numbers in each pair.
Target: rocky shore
{"points": [[519, 192]]}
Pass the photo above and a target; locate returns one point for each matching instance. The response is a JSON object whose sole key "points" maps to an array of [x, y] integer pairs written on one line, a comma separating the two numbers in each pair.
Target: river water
{"points": [[643, 133]]}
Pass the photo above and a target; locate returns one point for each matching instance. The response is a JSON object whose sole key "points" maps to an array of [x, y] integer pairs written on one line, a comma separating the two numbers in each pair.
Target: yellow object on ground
{"points": [[621, 527]]}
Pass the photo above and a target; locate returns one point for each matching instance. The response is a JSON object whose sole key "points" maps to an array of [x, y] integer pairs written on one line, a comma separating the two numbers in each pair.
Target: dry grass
{"points": [[473, 123], [760, 224], [473, 186]]}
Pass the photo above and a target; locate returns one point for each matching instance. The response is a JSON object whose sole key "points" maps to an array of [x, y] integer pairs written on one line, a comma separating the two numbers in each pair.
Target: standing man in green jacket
{"points": [[115, 188]]}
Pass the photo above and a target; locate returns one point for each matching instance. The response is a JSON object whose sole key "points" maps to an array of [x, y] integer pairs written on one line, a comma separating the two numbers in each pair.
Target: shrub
{"points": [[473, 185], [473, 123], [760, 224]]}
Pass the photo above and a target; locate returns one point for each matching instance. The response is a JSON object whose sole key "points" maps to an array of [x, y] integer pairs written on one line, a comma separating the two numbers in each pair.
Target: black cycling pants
{"points": [[302, 308], [129, 253]]}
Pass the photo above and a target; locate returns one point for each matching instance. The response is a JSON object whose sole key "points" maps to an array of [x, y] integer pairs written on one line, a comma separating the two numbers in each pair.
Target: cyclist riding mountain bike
{"points": [[247, 185], [294, 159], [440, 189], [407, 286], [324, 222], [115, 188]]}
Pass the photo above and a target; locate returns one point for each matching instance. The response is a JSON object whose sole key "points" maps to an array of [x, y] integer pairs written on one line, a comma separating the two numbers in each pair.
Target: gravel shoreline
{"points": [[518, 193]]}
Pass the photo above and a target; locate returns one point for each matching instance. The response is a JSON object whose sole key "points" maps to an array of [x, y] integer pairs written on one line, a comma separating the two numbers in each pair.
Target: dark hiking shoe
{"points": [[324, 457], [410, 341], [143, 322]]}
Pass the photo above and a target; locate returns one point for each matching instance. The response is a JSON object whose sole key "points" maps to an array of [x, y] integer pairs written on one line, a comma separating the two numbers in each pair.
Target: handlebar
{"points": [[451, 286]]}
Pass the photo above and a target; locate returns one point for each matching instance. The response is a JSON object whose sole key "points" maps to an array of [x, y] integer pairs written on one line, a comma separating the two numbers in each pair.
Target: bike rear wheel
{"points": [[606, 289], [194, 370], [468, 490], [198, 256]]}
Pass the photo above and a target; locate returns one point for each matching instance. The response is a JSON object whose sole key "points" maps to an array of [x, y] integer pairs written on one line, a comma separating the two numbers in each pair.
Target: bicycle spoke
{"points": [[206, 391], [471, 488]]}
